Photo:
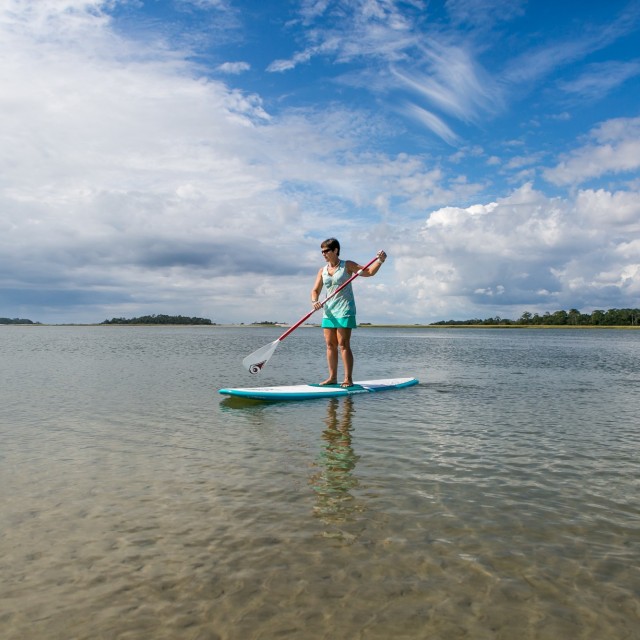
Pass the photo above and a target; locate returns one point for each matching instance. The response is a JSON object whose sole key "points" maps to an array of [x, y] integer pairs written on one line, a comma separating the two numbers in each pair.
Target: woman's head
{"points": [[331, 244]]}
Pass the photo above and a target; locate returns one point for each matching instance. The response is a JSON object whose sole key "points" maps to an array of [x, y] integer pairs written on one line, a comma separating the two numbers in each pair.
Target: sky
{"points": [[188, 157]]}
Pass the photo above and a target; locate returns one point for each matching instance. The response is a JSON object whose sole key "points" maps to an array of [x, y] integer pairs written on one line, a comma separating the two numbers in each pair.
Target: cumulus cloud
{"points": [[121, 168], [129, 181], [131, 184], [524, 252], [612, 147]]}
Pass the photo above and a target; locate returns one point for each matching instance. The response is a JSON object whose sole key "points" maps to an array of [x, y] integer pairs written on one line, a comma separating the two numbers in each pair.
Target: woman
{"points": [[340, 312]]}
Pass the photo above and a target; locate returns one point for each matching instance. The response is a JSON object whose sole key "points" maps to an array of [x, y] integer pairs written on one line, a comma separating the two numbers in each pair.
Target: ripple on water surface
{"points": [[497, 499]]}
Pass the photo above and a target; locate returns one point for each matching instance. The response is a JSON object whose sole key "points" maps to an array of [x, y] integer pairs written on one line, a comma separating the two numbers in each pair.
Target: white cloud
{"points": [[206, 4], [523, 252], [432, 122], [601, 78], [604, 210], [127, 181], [614, 148], [381, 30], [234, 68], [124, 175], [484, 13], [131, 184], [455, 83], [376, 30], [518, 162], [541, 61]]}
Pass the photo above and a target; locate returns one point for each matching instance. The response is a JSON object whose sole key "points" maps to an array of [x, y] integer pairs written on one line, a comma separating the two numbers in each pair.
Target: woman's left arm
{"points": [[353, 267]]}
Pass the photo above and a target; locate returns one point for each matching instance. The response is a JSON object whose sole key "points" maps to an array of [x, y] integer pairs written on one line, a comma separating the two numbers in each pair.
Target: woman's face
{"points": [[329, 254]]}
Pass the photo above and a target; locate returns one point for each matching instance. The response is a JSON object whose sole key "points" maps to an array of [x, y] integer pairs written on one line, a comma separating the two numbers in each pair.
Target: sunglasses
{"points": [[325, 251]]}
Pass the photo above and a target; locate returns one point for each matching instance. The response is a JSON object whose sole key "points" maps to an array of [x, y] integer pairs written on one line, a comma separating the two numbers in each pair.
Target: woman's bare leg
{"points": [[344, 342], [331, 339]]}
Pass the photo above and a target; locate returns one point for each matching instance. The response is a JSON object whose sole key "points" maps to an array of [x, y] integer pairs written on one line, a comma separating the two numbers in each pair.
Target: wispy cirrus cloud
{"points": [[483, 15], [393, 46], [432, 122], [539, 62], [453, 82], [599, 78], [389, 51], [354, 30]]}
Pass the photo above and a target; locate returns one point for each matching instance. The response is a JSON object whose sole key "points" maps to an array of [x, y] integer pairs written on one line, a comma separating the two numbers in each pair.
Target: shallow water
{"points": [[497, 499]]}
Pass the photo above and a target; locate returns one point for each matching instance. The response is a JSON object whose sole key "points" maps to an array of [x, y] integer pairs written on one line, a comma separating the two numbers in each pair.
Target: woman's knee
{"points": [[331, 339], [344, 339]]}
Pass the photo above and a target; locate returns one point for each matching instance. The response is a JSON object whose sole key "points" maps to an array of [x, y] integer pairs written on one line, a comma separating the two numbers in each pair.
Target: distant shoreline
{"points": [[316, 326], [497, 326]]}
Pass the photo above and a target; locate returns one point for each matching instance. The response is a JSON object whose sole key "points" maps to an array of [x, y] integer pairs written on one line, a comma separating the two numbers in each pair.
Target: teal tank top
{"points": [[343, 304]]}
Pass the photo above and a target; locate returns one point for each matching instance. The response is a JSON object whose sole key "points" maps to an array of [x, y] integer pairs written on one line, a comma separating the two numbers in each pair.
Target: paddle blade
{"points": [[254, 362]]}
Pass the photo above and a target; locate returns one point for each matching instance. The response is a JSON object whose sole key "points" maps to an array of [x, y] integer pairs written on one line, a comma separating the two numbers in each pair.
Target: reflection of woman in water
{"points": [[336, 462]]}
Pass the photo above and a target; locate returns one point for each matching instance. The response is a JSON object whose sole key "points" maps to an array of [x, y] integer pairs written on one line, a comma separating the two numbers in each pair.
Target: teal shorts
{"points": [[347, 322]]}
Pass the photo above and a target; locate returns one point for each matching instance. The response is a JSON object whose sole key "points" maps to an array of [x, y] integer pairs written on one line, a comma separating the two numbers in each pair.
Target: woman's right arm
{"points": [[315, 292]]}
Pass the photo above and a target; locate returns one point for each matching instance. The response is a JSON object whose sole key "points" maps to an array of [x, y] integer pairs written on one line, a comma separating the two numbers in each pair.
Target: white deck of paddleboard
{"points": [[307, 391]]}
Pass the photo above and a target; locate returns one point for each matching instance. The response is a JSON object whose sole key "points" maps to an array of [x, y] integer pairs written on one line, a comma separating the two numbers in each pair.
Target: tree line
{"points": [[573, 317], [17, 321], [158, 319]]}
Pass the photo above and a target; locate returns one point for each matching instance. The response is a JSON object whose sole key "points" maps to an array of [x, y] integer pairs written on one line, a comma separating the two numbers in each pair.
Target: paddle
{"points": [[259, 358]]}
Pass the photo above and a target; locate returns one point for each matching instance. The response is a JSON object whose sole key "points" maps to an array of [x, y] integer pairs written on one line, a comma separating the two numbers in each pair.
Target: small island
{"points": [[17, 321], [159, 319]]}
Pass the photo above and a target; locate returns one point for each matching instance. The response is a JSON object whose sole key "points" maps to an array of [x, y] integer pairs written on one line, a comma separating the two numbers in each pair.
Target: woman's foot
{"points": [[328, 381], [347, 383]]}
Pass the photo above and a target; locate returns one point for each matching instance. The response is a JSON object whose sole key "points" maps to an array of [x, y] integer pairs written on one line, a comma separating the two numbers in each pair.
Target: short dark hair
{"points": [[331, 243]]}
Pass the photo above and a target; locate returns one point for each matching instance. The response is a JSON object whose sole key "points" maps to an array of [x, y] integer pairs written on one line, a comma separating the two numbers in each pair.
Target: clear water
{"points": [[498, 499]]}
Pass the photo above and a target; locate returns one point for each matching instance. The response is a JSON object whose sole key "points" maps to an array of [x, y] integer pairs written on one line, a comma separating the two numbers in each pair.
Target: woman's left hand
{"points": [[382, 256]]}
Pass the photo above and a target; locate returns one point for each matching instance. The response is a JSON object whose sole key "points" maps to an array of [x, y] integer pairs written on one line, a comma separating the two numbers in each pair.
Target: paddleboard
{"points": [[310, 391]]}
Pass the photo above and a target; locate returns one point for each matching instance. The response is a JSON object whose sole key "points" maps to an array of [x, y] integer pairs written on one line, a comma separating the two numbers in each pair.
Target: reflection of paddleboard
{"points": [[309, 391]]}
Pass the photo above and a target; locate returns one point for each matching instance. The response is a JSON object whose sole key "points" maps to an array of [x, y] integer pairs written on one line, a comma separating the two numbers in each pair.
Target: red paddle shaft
{"points": [[340, 288]]}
